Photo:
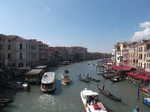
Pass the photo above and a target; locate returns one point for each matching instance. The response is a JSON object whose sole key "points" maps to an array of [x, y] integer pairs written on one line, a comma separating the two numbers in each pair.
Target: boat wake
{"points": [[46, 99]]}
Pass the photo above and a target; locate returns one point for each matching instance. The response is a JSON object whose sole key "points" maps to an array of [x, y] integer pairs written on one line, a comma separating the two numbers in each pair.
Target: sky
{"points": [[94, 24]]}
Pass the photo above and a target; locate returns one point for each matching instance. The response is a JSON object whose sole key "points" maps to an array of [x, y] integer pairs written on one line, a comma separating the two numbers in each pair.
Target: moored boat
{"points": [[109, 76], [116, 78], [48, 82], [109, 94], [91, 102], [146, 101]]}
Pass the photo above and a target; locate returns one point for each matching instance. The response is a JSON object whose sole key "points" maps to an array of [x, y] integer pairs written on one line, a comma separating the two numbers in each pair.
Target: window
{"points": [[1, 47], [148, 46], [9, 47], [9, 41], [21, 57], [20, 46], [9, 56], [140, 56]]}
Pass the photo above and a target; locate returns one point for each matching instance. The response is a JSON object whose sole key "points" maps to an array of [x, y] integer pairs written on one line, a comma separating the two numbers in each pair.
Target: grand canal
{"points": [[67, 98]]}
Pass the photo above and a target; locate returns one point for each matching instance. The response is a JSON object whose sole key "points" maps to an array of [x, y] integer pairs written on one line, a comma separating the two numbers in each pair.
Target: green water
{"points": [[67, 98]]}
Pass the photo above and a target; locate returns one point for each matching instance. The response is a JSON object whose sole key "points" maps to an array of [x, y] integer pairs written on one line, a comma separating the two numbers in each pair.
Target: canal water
{"points": [[67, 98]]}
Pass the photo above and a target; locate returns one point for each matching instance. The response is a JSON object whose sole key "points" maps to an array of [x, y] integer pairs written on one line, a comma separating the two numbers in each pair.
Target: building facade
{"points": [[16, 51], [120, 53], [136, 54]]}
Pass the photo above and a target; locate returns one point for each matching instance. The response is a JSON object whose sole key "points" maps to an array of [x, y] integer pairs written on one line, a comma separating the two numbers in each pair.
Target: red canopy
{"points": [[117, 68], [122, 68], [137, 75]]}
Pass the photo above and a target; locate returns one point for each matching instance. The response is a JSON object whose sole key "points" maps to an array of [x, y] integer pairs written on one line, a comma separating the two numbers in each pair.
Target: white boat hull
{"points": [[88, 107]]}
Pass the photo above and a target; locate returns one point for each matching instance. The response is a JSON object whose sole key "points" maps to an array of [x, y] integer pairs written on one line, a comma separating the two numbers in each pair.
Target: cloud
{"points": [[143, 34]]}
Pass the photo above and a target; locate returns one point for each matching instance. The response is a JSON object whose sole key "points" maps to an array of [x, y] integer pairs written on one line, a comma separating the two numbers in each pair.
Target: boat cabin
{"points": [[34, 76], [48, 82]]}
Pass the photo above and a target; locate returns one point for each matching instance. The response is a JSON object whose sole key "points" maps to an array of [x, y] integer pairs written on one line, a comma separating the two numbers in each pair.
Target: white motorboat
{"points": [[48, 82], [91, 102]]}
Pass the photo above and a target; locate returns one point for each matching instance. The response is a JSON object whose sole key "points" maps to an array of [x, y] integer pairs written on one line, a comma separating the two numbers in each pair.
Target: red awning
{"points": [[137, 75], [117, 68], [122, 68]]}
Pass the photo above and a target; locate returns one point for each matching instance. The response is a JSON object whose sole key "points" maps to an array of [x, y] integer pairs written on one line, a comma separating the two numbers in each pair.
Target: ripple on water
{"points": [[45, 101]]}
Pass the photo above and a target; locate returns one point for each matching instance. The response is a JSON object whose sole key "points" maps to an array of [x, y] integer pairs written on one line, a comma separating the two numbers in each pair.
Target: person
{"points": [[96, 100], [137, 109], [103, 87]]}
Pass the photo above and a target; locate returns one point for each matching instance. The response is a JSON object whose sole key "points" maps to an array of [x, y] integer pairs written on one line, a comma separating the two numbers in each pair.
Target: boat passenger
{"points": [[103, 87]]}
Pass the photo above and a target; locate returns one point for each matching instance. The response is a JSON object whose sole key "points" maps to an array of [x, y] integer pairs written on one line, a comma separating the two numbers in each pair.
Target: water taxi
{"points": [[91, 102], [48, 82]]}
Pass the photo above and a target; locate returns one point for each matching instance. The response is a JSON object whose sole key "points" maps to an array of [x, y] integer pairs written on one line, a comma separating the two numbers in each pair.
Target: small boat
{"points": [[109, 76], [84, 79], [23, 86], [48, 82], [109, 94], [66, 80], [146, 101], [91, 102], [145, 90], [93, 79], [116, 79], [5, 100], [137, 109]]}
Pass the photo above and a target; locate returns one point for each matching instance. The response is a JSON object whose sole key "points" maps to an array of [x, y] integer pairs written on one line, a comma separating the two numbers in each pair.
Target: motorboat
{"points": [[146, 101], [91, 102], [116, 78], [84, 79], [66, 80], [23, 86], [48, 82]]}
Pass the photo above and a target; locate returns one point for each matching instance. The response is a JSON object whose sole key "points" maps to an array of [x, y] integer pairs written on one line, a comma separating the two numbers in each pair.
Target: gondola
{"points": [[109, 94], [84, 80], [93, 79]]}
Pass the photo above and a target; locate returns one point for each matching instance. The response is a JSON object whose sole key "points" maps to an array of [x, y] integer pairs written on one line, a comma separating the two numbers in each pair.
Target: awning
{"points": [[117, 68], [138, 75], [122, 68]]}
